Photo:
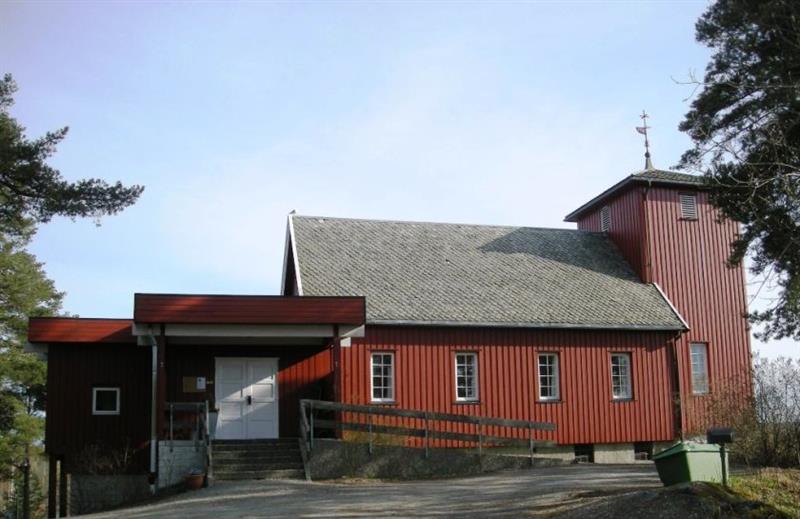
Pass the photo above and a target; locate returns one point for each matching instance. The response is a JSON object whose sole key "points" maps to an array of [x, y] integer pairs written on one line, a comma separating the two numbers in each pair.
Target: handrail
{"points": [[199, 409], [407, 413], [309, 423]]}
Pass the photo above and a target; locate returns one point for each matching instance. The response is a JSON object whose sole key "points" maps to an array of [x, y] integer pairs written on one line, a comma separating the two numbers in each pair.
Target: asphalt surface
{"points": [[538, 492]]}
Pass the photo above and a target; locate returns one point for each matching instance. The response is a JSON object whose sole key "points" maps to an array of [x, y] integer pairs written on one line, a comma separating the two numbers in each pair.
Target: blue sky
{"points": [[233, 114]]}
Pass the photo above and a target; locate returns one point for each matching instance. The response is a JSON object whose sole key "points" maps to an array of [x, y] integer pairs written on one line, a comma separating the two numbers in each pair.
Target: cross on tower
{"points": [[648, 164]]}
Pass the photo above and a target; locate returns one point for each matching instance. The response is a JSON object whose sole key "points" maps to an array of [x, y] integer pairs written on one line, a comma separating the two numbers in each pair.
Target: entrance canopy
{"points": [[235, 319]]}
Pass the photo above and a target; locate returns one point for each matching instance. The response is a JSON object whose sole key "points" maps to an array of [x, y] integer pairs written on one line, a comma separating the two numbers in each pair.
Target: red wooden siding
{"points": [[216, 309], [303, 372], [61, 329], [687, 258], [689, 262], [627, 226], [72, 371], [508, 382]]}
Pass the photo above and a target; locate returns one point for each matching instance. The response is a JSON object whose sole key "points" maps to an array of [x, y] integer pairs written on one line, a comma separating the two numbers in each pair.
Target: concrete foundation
{"points": [[560, 452], [176, 459], [613, 453]]}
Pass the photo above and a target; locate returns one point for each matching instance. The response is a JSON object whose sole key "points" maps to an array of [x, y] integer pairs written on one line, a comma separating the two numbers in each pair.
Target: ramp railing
{"points": [[426, 425]]}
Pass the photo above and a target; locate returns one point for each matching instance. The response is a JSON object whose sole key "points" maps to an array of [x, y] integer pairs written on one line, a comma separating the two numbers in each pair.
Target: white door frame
{"points": [[246, 391]]}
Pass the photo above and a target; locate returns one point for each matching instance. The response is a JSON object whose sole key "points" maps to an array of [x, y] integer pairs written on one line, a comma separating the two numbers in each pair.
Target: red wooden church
{"points": [[618, 332]]}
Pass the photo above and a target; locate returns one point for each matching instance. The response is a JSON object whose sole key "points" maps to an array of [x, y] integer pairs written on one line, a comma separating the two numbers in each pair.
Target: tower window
{"points": [[689, 206], [605, 219]]}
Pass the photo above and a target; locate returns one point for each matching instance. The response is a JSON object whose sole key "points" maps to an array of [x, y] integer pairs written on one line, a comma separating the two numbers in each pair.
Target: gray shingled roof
{"points": [[655, 176], [433, 273], [672, 177]]}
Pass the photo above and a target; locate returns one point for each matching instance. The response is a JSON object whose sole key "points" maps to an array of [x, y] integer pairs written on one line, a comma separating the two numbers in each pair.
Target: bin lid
{"points": [[686, 447]]}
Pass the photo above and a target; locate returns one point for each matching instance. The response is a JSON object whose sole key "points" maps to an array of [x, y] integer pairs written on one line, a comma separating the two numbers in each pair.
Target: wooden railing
{"points": [[309, 422]]}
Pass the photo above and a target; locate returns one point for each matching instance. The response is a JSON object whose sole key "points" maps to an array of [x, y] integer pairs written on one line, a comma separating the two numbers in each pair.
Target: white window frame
{"points": [[698, 357], [98, 412], [474, 378], [605, 219], [688, 200], [372, 386], [554, 377], [622, 389]]}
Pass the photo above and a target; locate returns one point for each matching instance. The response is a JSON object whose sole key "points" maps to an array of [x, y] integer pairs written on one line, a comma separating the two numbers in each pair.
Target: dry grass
{"points": [[779, 488]]}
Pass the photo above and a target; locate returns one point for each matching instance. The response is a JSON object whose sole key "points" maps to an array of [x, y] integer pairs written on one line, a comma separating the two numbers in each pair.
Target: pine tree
{"points": [[745, 126]]}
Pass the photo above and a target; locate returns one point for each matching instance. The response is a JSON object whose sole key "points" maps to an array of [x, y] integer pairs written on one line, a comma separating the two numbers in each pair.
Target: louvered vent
{"points": [[605, 219], [688, 206]]}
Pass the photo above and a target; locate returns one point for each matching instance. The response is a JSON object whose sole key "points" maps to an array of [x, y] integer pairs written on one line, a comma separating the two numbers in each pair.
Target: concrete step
{"points": [[260, 474], [255, 447], [262, 441], [261, 456], [250, 466]]}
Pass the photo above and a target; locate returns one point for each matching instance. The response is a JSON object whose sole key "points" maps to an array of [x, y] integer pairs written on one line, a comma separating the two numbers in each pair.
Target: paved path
{"points": [[502, 494]]}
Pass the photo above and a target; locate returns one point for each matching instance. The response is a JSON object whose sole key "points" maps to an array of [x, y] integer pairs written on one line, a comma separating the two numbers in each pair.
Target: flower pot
{"points": [[195, 481]]}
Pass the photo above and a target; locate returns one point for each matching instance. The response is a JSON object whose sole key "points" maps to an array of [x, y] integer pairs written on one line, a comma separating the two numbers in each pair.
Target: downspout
{"points": [[677, 395], [153, 417]]}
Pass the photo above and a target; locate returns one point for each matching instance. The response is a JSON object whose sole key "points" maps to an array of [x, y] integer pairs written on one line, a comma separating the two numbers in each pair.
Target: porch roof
{"points": [[210, 316], [238, 309]]}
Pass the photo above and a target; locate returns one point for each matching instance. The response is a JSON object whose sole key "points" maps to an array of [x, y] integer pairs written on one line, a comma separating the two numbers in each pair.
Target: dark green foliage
{"points": [[745, 125], [25, 291], [32, 190]]}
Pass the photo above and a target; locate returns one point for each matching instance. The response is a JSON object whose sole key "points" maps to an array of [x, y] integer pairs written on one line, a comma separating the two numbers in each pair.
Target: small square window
{"points": [[105, 400]]}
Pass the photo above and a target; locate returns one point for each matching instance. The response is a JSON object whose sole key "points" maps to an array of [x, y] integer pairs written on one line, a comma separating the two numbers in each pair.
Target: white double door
{"points": [[246, 392]]}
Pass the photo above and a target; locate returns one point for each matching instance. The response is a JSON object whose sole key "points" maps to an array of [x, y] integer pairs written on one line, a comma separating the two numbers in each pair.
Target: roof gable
{"points": [[453, 274]]}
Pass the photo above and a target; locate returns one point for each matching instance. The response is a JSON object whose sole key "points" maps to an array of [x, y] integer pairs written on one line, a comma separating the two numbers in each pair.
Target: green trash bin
{"points": [[687, 461]]}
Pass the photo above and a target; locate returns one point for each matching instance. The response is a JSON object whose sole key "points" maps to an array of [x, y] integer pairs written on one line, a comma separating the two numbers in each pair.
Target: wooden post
{"points": [[530, 442], [427, 450], [480, 438], [311, 412], [52, 486], [63, 490], [171, 413], [369, 421]]}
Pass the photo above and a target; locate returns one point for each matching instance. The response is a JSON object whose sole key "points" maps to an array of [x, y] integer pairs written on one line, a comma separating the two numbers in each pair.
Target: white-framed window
{"points": [[466, 377], [548, 377], [699, 357], [605, 219], [105, 400], [688, 206], [382, 376], [621, 387]]}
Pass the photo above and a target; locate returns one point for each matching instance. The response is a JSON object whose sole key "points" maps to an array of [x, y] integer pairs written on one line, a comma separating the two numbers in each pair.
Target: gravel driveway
{"points": [[534, 492]]}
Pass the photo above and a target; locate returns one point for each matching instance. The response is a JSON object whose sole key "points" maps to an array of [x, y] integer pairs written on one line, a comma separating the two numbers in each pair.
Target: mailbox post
{"points": [[721, 436]]}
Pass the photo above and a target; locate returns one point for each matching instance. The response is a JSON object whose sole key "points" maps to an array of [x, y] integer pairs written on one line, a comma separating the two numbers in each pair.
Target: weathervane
{"points": [[643, 130]]}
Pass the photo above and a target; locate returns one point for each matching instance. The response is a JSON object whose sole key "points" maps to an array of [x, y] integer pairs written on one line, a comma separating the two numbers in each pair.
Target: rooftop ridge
{"points": [[454, 224]]}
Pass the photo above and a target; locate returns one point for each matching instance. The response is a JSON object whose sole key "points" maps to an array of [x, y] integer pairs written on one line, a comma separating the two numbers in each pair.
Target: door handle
{"points": [[249, 400]]}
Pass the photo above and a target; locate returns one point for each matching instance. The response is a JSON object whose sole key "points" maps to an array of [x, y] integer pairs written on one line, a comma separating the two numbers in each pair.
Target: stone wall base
{"points": [[90, 493]]}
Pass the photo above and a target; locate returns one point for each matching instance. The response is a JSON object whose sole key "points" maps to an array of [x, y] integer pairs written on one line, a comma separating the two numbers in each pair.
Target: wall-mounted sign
{"points": [[194, 384]]}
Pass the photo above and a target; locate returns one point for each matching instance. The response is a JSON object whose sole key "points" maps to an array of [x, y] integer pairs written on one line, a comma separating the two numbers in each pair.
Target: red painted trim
{"points": [[233, 309], [69, 329]]}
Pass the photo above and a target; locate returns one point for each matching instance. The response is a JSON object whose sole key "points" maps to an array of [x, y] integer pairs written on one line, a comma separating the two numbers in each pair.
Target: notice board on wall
{"points": [[194, 384]]}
